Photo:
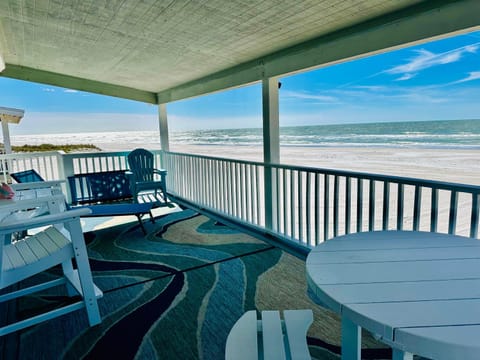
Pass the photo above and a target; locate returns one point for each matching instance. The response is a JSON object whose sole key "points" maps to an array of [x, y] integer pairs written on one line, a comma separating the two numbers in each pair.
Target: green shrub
{"points": [[50, 147]]}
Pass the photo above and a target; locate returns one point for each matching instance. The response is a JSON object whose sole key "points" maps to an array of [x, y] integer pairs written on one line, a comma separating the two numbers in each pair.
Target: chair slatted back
{"points": [[141, 164]]}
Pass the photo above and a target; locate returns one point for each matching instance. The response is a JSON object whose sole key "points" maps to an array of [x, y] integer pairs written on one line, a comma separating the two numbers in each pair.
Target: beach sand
{"points": [[450, 165]]}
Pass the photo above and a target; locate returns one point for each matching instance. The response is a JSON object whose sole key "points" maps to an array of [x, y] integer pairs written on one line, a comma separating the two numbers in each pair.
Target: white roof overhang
{"points": [[162, 51], [11, 115]]}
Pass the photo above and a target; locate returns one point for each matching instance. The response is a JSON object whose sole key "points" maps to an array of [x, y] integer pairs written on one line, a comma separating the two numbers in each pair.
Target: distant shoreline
{"points": [[353, 146], [453, 134], [353, 123]]}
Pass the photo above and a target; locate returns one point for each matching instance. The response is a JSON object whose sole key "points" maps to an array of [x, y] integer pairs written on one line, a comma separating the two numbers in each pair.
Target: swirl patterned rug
{"points": [[175, 294]]}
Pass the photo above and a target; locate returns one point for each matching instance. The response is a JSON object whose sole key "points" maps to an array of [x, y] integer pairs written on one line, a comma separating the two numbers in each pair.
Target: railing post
{"points": [[6, 137], [474, 215], [3, 169], [65, 170], [271, 147]]}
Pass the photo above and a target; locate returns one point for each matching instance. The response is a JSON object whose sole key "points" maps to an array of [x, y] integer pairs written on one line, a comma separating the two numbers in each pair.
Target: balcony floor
{"points": [[175, 294]]}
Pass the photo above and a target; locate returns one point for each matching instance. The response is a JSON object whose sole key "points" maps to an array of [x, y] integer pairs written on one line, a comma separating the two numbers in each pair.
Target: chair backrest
{"points": [[27, 176], [141, 164]]}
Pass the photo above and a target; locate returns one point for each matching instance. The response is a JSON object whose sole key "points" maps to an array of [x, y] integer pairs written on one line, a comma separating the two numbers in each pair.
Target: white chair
{"points": [[54, 245], [270, 338]]}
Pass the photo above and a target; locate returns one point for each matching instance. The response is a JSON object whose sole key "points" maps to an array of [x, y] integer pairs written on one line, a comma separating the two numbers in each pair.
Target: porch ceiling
{"points": [[160, 51]]}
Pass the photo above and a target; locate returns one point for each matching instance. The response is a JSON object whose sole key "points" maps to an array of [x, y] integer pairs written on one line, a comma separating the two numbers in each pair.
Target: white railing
{"points": [[81, 163], [310, 205], [306, 205], [233, 188], [48, 164], [59, 165]]}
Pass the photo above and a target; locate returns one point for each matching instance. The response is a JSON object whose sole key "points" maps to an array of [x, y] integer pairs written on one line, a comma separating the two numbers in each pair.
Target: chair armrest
{"points": [[25, 204], [37, 185], [160, 171], [131, 179], [65, 216]]}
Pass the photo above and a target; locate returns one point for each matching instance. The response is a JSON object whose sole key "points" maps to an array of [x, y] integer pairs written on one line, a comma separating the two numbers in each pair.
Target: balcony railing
{"points": [[311, 205], [305, 205]]}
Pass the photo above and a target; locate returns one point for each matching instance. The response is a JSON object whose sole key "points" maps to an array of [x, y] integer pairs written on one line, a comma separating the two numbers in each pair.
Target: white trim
{"points": [[12, 112]]}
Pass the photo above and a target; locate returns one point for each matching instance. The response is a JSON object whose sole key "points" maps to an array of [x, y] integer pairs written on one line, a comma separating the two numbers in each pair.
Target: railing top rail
{"points": [[441, 185], [246, 162], [31, 154], [97, 154]]}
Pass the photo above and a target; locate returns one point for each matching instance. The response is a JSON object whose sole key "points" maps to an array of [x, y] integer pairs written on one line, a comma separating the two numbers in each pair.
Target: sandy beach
{"points": [[451, 165]]}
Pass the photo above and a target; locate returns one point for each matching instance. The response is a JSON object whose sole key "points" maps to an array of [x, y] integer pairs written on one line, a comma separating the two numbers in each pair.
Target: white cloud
{"points": [[426, 59], [70, 91], [406, 76], [370, 87], [419, 96], [474, 75], [307, 96], [472, 48], [394, 95], [48, 89]]}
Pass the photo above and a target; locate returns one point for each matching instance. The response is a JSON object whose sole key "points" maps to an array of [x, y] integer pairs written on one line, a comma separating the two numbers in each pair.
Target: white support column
{"points": [[271, 129], [6, 137], [271, 146], [163, 124]]}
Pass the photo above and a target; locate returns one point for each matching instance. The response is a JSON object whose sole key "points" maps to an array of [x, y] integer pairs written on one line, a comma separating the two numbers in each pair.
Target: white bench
{"points": [[279, 339]]}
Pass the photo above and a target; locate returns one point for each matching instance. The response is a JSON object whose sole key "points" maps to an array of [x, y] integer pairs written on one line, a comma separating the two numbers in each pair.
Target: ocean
{"points": [[458, 134]]}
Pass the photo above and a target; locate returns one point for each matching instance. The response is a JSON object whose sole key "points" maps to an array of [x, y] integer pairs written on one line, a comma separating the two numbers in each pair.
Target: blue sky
{"points": [[435, 81]]}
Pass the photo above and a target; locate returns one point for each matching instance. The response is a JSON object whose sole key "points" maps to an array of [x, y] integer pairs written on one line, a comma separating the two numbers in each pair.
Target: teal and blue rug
{"points": [[175, 294]]}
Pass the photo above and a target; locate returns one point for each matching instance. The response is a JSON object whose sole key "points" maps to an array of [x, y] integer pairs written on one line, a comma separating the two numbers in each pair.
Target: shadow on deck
{"points": [[175, 294]]}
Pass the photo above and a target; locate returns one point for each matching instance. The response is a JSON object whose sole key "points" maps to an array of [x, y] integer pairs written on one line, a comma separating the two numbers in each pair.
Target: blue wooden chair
{"points": [[145, 178], [26, 176], [25, 180]]}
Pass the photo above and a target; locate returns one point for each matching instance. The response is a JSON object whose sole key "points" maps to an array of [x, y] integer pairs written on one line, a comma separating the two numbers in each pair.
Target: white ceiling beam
{"points": [[420, 23], [71, 82]]}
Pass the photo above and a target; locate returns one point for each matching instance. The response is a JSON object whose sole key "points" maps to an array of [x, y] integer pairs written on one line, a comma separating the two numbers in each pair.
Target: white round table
{"points": [[418, 291]]}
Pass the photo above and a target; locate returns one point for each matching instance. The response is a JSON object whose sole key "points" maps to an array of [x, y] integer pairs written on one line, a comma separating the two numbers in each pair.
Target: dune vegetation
{"points": [[50, 147]]}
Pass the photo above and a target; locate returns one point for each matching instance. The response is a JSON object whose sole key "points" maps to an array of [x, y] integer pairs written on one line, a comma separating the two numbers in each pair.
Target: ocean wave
{"points": [[461, 134]]}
